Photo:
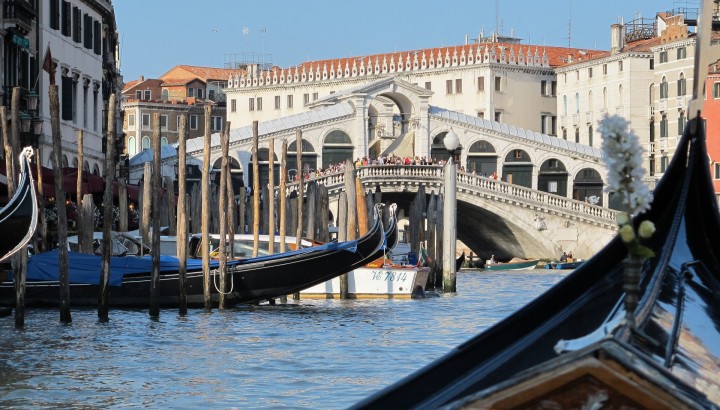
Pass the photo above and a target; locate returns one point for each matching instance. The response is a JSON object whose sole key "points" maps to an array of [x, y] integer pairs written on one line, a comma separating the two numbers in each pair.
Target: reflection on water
{"points": [[308, 354]]}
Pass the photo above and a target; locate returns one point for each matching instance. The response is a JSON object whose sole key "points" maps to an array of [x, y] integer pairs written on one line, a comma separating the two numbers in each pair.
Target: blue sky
{"points": [[157, 35]]}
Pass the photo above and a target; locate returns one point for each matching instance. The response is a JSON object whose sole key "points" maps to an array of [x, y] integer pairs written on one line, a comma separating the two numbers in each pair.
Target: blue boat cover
{"points": [[85, 268]]}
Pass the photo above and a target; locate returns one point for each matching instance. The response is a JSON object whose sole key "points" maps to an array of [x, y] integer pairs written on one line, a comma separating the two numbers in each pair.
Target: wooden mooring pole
{"points": [[222, 212], [301, 185], [156, 210], [103, 314], [182, 226], [205, 213], [256, 190], [60, 204], [283, 203]]}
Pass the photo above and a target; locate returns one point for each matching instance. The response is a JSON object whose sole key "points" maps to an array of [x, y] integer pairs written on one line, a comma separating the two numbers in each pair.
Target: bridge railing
{"points": [[474, 183]]}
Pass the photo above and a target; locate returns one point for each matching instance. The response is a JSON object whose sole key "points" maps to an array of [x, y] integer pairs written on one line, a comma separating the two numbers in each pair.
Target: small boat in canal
{"points": [[564, 265], [250, 280], [513, 264], [18, 218], [381, 278], [599, 338]]}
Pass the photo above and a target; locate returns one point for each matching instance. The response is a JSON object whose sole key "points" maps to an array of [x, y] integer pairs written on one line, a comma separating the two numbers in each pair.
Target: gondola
{"points": [[18, 219], [572, 348], [251, 280]]}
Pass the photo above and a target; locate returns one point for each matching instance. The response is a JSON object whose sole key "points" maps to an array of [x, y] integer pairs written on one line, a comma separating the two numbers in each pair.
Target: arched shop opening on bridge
{"points": [[337, 148], [482, 158], [264, 168], [553, 177], [236, 172], [438, 150], [309, 158], [588, 186], [518, 168]]}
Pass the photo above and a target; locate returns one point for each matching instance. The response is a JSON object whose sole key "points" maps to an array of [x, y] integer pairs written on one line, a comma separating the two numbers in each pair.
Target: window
{"points": [[306, 98], [565, 78], [497, 83], [86, 104], [290, 101], [448, 87], [565, 134], [163, 122], [67, 98], [138, 94], [577, 103], [590, 72], [681, 53], [277, 102], [518, 154], [217, 123], [652, 63], [605, 99], [498, 116], [620, 65], [716, 90], [663, 163], [65, 18], [259, 104], [55, 14], [590, 135], [233, 105], [251, 104], [428, 85], [543, 124], [681, 123], [200, 93], [664, 88], [77, 25], [96, 110], [165, 94], [148, 95], [664, 126], [553, 125], [88, 31], [565, 105], [211, 95], [481, 114], [193, 122], [315, 96], [681, 85], [552, 186], [97, 38], [553, 88], [458, 85], [543, 87], [481, 84], [663, 57], [577, 135], [604, 69], [190, 92], [577, 75], [717, 171], [145, 142], [146, 121], [131, 121]]}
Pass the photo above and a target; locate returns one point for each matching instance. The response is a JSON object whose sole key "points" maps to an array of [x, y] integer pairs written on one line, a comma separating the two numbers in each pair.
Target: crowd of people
{"points": [[381, 160]]}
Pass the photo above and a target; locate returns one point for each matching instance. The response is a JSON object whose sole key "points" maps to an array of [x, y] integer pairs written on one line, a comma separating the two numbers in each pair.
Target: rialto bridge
{"points": [[548, 195]]}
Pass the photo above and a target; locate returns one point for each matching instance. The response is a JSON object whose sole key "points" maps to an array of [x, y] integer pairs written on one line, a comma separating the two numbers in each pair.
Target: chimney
{"points": [[569, 58], [142, 78], [617, 38]]}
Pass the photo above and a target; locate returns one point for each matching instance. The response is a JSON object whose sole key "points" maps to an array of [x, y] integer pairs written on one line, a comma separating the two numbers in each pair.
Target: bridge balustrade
{"points": [[474, 184]]}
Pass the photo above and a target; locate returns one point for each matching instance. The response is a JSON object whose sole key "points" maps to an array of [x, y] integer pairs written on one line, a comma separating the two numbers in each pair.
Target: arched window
{"points": [[620, 95], [96, 170], [577, 103], [651, 95], [681, 88], [577, 135], [132, 146], [681, 122], [664, 126], [590, 101], [590, 135], [146, 142], [605, 98], [664, 88], [337, 148], [64, 161], [164, 94], [565, 105], [163, 141]]}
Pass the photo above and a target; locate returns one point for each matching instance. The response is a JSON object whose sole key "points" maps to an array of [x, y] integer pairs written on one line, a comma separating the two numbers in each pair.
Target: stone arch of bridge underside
{"points": [[507, 229]]}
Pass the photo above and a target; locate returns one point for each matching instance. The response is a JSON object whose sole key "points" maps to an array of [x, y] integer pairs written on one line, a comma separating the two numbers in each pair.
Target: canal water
{"points": [[318, 354]]}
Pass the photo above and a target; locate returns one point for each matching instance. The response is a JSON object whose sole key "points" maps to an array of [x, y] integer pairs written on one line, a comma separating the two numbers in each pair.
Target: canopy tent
{"points": [[92, 184]]}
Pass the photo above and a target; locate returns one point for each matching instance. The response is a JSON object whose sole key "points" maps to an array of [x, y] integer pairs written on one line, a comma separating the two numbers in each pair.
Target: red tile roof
{"points": [[203, 73]]}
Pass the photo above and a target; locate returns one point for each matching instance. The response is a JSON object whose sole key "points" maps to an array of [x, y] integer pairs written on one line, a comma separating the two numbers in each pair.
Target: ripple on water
{"points": [[307, 354]]}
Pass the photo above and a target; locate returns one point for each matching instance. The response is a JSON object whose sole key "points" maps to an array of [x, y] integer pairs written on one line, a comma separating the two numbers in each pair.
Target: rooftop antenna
{"points": [[570, 25], [497, 13]]}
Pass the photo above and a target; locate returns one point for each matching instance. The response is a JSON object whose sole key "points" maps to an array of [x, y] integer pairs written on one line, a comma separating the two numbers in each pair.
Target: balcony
{"points": [[589, 117], [662, 105], [651, 149], [575, 119], [681, 101], [19, 12]]}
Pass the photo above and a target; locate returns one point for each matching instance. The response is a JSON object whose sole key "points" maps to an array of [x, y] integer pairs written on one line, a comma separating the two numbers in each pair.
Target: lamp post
{"points": [[451, 143], [31, 125]]}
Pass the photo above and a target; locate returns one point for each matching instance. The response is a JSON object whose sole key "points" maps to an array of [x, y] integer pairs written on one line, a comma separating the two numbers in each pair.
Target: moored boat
{"points": [[18, 218], [250, 280]]}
